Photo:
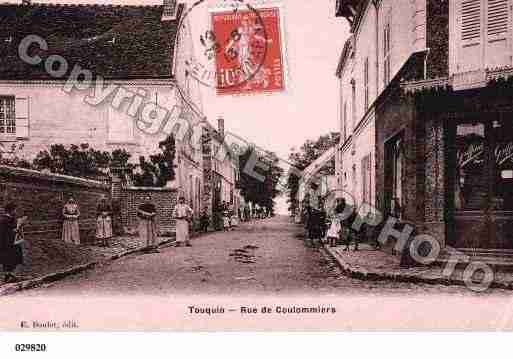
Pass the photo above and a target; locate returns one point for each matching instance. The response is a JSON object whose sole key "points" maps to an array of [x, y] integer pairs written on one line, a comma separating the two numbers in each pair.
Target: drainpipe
{"points": [[428, 50]]}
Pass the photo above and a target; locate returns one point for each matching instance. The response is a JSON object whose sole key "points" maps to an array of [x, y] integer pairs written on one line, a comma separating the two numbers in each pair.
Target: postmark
{"points": [[240, 49]]}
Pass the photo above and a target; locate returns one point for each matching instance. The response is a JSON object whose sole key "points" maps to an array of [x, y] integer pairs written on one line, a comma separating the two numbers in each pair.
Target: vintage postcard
{"points": [[256, 165]]}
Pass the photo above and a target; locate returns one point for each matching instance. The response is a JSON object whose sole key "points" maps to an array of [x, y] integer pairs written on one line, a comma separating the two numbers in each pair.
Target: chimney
{"points": [[169, 10], [220, 126]]}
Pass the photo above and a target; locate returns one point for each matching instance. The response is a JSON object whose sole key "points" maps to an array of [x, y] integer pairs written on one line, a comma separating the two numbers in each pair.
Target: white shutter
{"points": [[22, 110], [498, 33], [470, 33]]}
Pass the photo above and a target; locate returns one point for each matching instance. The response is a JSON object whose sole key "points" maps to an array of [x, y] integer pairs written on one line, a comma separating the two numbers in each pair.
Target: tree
{"points": [[160, 168], [302, 158], [263, 190], [80, 160]]}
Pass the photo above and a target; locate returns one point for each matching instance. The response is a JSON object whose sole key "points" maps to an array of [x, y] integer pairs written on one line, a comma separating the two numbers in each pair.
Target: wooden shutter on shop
{"points": [[498, 33], [22, 106], [470, 27]]}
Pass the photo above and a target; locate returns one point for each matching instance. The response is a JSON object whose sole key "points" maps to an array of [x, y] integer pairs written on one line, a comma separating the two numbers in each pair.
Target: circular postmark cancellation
{"points": [[232, 48]]}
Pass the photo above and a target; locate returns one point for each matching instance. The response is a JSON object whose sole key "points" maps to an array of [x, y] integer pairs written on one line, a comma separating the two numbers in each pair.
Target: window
{"points": [[353, 100], [366, 82], [355, 181], [386, 55], [497, 18], [470, 20], [484, 34], [394, 176], [7, 116], [483, 172], [367, 179], [344, 123]]}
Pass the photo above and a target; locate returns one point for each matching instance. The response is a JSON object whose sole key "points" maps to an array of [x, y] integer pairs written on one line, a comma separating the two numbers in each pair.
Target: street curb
{"points": [[7, 289], [362, 274]]}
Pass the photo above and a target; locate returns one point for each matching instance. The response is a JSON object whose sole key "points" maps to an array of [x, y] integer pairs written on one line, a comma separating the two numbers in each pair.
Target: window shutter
{"points": [[470, 21], [497, 33], [497, 17], [22, 109]]}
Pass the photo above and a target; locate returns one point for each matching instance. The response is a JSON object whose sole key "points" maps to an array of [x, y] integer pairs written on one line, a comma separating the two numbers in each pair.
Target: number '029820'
{"points": [[30, 347]]}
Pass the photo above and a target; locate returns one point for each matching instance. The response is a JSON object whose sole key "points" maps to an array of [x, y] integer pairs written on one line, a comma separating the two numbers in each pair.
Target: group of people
{"points": [[229, 218], [70, 225], [146, 214], [335, 229]]}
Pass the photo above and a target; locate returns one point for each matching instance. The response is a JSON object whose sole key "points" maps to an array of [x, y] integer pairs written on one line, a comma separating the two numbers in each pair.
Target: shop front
{"points": [[480, 157], [475, 147], [445, 162]]}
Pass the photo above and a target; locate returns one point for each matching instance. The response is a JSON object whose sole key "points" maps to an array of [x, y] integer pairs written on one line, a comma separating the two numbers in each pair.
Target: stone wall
{"points": [[435, 179], [41, 197]]}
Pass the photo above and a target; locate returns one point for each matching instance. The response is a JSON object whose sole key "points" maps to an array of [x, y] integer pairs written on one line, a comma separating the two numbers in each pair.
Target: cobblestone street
{"points": [[264, 257]]}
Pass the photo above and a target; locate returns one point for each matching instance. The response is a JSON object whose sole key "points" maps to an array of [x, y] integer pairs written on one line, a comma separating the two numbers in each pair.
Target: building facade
{"points": [[443, 129], [137, 92], [221, 173]]}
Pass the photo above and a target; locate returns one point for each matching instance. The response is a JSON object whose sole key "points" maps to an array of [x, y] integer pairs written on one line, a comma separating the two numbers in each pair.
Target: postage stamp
{"points": [[241, 49]]}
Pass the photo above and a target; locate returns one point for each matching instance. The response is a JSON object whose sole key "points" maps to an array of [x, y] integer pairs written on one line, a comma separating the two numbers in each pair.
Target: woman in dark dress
{"points": [[11, 254], [147, 213], [104, 222]]}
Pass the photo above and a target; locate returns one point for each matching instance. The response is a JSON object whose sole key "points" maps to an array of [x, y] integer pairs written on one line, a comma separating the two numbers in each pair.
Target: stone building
{"points": [[109, 76], [442, 108], [220, 171]]}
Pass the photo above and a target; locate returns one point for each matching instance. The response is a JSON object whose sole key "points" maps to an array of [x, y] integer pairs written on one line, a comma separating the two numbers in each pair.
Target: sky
{"points": [[308, 108]]}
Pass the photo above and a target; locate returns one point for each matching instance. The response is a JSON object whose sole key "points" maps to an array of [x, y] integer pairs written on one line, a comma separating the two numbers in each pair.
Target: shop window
{"points": [[470, 190], [484, 165], [502, 168]]}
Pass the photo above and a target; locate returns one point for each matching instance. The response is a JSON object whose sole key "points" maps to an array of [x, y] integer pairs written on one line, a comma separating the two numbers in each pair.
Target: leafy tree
{"points": [[254, 189], [159, 169], [302, 158], [80, 160]]}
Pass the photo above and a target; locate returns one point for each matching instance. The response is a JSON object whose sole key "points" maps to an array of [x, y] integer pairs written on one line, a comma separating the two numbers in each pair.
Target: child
{"points": [[334, 231], [226, 220]]}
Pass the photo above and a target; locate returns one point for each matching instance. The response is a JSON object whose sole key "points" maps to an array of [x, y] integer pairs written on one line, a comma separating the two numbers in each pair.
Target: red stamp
{"points": [[249, 59]]}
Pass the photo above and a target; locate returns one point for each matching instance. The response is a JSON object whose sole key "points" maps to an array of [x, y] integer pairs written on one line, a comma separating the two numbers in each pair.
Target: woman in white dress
{"points": [[70, 230], [182, 214]]}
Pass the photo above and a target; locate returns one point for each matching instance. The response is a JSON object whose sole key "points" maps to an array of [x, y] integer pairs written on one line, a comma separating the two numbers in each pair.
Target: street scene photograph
{"points": [[256, 165]]}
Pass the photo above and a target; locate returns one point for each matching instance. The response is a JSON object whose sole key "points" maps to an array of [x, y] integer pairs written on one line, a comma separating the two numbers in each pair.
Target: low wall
{"points": [[163, 198], [41, 197]]}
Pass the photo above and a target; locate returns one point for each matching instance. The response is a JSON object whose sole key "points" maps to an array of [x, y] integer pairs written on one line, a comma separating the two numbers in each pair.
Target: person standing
{"points": [[147, 213], [104, 221], [182, 214], [70, 229], [11, 254], [225, 216], [204, 220]]}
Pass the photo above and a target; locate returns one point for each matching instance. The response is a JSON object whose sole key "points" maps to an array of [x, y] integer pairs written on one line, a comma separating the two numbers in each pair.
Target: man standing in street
{"points": [[11, 254]]}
